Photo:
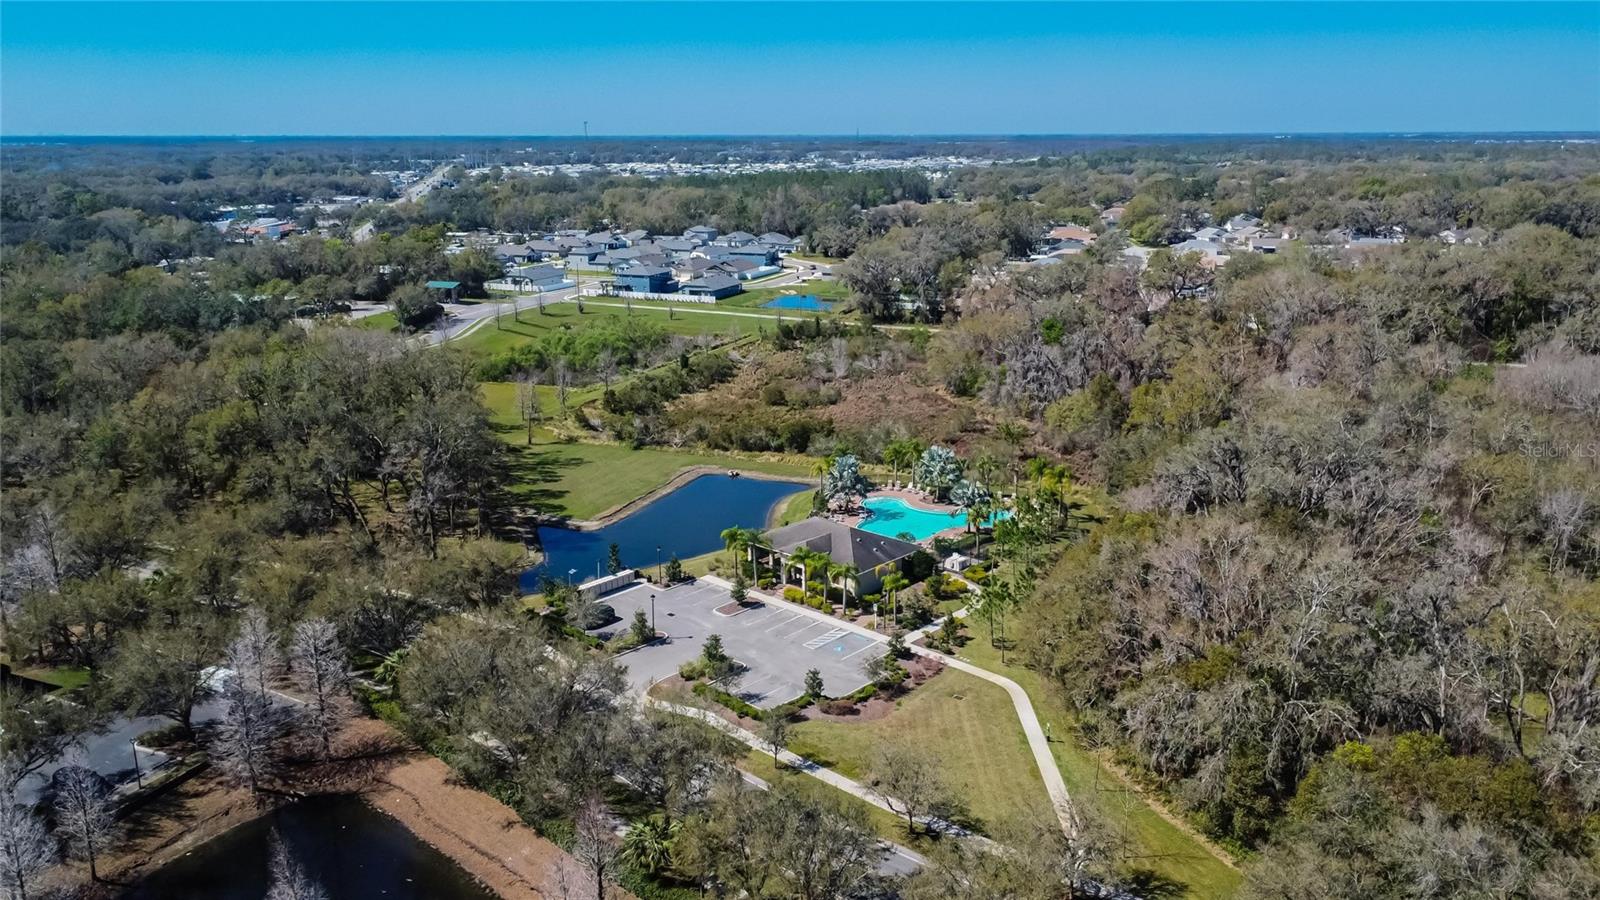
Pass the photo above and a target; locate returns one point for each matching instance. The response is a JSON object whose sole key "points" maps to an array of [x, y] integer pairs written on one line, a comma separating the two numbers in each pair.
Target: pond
{"points": [[808, 302], [351, 849], [687, 522]]}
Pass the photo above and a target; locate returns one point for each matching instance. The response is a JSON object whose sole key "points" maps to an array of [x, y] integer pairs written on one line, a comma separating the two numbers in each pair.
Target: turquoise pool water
{"points": [[892, 517]]}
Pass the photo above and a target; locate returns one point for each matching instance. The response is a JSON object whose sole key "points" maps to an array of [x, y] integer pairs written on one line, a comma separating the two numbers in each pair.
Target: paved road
{"points": [[111, 752]]}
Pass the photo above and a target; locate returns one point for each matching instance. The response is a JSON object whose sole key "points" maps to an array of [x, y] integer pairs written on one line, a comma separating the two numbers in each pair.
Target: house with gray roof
{"points": [[872, 555], [645, 280], [715, 286], [737, 239], [701, 234], [635, 236], [779, 242]]}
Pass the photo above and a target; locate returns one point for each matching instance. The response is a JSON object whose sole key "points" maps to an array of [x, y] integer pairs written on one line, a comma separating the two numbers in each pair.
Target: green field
{"points": [[493, 337], [1155, 844], [384, 321], [582, 480], [754, 298], [967, 726]]}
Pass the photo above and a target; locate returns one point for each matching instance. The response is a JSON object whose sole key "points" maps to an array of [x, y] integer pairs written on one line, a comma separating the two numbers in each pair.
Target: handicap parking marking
{"points": [[827, 637]]}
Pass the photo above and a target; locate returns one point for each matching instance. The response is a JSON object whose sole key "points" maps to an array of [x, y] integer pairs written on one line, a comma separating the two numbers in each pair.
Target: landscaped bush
{"points": [[977, 574], [840, 707], [794, 595]]}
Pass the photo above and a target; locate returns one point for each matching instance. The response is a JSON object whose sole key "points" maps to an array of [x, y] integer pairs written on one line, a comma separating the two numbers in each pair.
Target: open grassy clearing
{"points": [[494, 337], [384, 321], [754, 297], [966, 725], [1154, 844]]}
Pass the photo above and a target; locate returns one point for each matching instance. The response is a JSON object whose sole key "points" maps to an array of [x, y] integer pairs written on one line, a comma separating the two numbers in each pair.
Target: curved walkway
{"points": [[1054, 784]]}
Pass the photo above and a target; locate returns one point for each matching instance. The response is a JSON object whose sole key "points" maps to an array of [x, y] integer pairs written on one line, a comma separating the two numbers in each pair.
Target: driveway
{"points": [[777, 645]]}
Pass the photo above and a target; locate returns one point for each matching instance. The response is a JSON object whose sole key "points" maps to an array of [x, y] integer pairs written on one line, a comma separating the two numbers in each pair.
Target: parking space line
{"points": [[810, 624], [785, 622], [869, 646]]}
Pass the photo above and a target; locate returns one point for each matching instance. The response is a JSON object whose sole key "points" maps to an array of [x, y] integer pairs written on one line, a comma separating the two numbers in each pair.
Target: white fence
{"points": [[645, 295], [523, 286]]}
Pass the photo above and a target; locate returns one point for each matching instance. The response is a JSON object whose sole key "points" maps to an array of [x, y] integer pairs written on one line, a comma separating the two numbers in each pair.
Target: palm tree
{"points": [[738, 540], [820, 469], [901, 455], [893, 584], [977, 514], [843, 574], [805, 558], [648, 843]]}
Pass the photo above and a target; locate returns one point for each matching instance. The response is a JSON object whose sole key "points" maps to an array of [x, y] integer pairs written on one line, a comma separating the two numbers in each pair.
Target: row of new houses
{"points": [[701, 261]]}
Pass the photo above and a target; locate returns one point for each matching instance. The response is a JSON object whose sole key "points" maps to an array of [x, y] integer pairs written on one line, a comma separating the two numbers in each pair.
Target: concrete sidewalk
{"points": [[1055, 785]]}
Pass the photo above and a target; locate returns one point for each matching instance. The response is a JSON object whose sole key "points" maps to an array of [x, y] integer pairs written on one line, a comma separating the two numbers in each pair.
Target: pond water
{"points": [[351, 849], [810, 302], [687, 522]]}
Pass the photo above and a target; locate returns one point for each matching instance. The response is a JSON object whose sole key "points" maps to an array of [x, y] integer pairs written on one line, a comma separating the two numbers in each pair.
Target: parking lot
{"points": [[777, 644]]}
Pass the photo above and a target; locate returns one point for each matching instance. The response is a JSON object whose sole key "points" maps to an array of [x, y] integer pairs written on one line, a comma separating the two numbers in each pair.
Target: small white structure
{"points": [[958, 563]]}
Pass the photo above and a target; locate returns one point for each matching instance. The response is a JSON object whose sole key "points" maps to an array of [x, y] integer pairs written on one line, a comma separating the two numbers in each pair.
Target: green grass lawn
{"points": [[966, 725], [491, 338], [384, 321], [755, 297], [63, 678], [1155, 845], [582, 480], [796, 508]]}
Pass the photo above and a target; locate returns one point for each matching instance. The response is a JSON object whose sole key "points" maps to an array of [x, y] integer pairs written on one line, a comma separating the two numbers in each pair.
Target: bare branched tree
{"points": [[25, 846], [249, 737], [84, 816], [321, 672], [595, 845], [253, 654]]}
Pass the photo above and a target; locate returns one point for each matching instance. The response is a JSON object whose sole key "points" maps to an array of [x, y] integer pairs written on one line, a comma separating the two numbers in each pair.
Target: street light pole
{"points": [[653, 615], [660, 573], [137, 775]]}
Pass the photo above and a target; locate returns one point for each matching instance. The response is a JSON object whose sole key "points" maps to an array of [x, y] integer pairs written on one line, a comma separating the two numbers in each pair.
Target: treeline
{"points": [[1353, 560]]}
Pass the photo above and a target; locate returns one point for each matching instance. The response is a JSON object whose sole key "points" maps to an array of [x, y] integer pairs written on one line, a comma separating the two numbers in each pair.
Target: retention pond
{"points": [[686, 522], [351, 849]]}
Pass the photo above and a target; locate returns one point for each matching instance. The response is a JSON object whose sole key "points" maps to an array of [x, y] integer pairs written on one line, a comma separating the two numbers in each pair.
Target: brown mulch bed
{"points": [[880, 705]]}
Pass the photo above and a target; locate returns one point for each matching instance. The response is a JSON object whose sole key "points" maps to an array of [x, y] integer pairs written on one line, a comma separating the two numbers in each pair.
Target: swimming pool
{"points": [[892, 517], [809, 302]]}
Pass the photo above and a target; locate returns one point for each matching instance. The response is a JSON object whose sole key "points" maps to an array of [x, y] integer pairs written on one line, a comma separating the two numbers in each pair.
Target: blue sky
{"points": [[796, 68]]}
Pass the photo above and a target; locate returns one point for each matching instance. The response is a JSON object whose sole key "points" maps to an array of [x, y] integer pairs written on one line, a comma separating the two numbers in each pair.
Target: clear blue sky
{"points": [[795, 68]]}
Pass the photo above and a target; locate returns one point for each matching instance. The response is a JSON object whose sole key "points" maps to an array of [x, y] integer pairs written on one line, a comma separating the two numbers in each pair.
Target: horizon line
{"points": [[1276, 135]]}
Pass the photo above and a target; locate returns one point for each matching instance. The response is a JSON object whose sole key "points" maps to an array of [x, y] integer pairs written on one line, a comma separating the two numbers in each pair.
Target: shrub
{"points": [[794, 594], [165, 736], [840, 707]]}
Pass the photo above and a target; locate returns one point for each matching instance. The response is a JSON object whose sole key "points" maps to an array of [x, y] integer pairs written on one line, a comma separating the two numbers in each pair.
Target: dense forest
{"points": [[1324, 574]]}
